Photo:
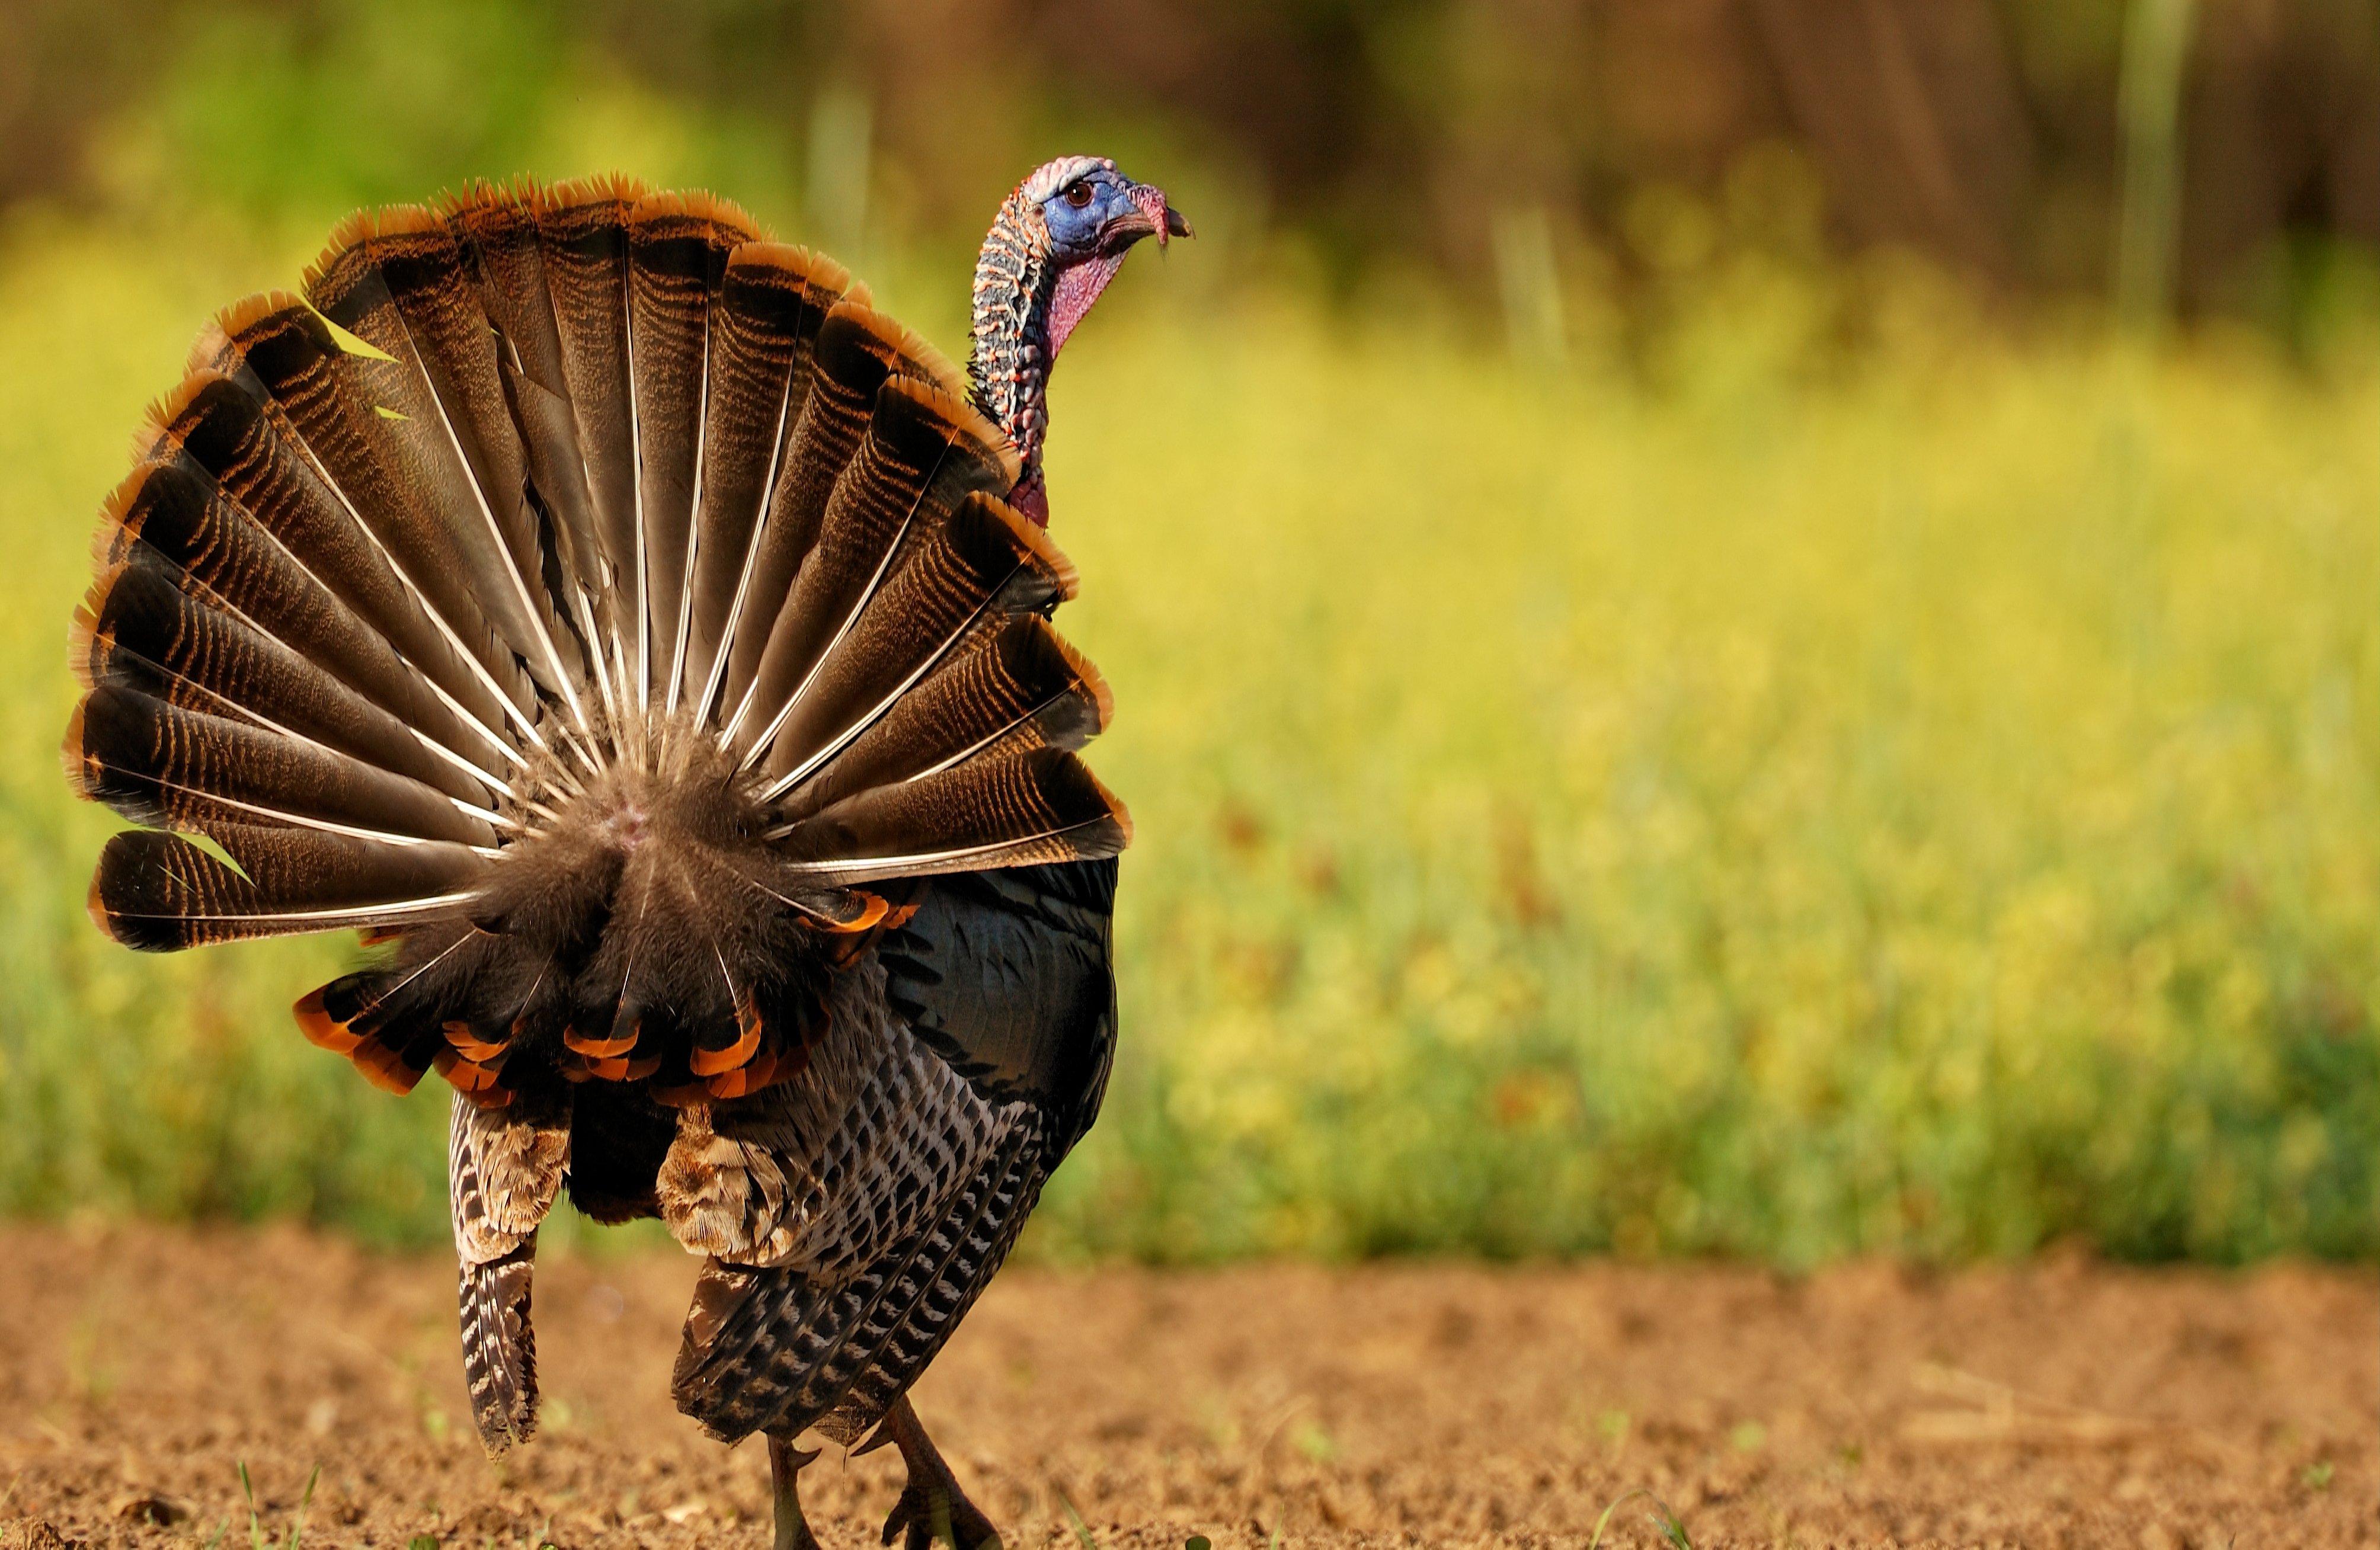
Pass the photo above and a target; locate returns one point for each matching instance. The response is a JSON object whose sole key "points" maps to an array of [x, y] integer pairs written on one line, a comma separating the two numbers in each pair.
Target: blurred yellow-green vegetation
{"points": [[1723, 743]]}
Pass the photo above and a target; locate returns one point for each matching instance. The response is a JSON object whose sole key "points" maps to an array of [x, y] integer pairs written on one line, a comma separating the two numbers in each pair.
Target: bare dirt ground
{"points": [[2062, 1403]]}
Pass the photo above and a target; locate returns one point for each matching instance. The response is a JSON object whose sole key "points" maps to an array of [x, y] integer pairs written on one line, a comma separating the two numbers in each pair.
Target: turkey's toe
{"points": [[929, 1512]]}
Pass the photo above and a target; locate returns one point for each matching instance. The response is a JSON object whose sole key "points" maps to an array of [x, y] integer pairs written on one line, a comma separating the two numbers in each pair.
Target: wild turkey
{"points": [[643, 642]]}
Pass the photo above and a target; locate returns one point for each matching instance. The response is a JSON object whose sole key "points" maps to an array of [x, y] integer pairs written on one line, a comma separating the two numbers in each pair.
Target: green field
{"points": [[1919, 797]]}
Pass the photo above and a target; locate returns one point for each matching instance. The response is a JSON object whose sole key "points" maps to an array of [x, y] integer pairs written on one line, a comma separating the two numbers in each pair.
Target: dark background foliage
{"points": [[1985, 133]]}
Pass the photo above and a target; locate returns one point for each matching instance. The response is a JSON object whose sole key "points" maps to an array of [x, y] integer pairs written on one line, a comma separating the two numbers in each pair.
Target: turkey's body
{"points": [[622, 624]]}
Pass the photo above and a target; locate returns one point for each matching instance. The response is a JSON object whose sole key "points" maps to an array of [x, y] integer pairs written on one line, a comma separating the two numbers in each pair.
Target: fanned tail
{"points": [[605, 607]]}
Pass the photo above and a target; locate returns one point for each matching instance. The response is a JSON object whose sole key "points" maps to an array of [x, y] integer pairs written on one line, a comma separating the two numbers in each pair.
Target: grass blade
{"points": [[298, 1524], [1596, 1543], [1082, 1529], [255, 1523]]}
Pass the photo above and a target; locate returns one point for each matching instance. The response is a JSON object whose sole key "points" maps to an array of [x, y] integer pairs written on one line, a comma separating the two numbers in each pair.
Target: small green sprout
{"points": [[1672, 1532], [256, 1539], [1082, 1529]]}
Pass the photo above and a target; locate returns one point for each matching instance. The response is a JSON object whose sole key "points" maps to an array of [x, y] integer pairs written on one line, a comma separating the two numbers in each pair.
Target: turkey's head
{"points": [[1059, 239]]}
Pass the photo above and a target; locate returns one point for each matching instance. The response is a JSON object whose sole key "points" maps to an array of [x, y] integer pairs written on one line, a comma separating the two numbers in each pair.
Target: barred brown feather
{"points": [[503, 1174]]}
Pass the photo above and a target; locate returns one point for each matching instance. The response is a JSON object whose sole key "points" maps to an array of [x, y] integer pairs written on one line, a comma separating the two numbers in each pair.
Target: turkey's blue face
{"points": [[1100, 213]]}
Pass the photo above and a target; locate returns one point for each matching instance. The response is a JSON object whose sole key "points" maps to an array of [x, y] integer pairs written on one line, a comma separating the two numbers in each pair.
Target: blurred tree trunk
{"points": [[1911, 110], [2148, 106], [2281, 142], [64, 64]]}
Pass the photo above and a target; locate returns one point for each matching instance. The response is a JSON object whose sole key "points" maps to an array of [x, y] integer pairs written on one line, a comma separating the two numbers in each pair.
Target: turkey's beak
{"points": [[1151, 216]]}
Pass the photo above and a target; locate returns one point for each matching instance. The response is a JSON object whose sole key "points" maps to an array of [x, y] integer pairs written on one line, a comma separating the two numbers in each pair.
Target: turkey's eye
{"points": [[1078, 195]]}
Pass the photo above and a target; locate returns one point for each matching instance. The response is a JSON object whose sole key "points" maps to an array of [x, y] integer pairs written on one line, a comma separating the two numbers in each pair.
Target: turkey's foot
{"points": [[931, 1507], [786, 1463]]}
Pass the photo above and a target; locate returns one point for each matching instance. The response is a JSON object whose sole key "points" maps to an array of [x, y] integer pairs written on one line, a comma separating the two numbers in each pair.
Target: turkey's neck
{"points": [[1026, 304]]}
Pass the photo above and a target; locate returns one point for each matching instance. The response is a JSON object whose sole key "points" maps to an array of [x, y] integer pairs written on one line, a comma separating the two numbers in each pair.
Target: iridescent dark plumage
{"points": [[644, 642]]}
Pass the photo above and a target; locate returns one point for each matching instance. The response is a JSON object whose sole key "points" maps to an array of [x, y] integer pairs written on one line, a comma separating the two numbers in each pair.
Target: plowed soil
{"points": [[2059, 1403]]}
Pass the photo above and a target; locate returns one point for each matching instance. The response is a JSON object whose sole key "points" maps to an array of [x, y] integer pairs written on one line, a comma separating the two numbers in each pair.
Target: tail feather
{"points": [[158, 764], [145, 632], [987, 556], [850, 361], [174, 511], [770, 302], [396, 281], [921, 454], [498, 234], [1038, 805], [376, 459], [677, 256], [1020, 688], [213, 427], [583, 242], [160, 892]]}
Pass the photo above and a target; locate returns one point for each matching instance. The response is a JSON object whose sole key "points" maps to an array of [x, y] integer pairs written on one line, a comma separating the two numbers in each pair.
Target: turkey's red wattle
{"points": [[1031, 496], [1070, 299]]}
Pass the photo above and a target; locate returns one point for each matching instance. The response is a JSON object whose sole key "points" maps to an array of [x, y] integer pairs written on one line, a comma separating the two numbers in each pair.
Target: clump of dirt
{"points": [[31, 1534], [2065, 1403]]}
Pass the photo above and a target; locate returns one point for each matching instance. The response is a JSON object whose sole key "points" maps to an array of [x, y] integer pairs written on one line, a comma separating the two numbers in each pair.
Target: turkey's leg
{"points": [[786, 1463], [932, 1506]]}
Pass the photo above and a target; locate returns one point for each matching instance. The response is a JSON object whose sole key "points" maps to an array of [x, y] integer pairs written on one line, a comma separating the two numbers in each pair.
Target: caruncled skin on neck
{"points": [[1029, 298]]}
